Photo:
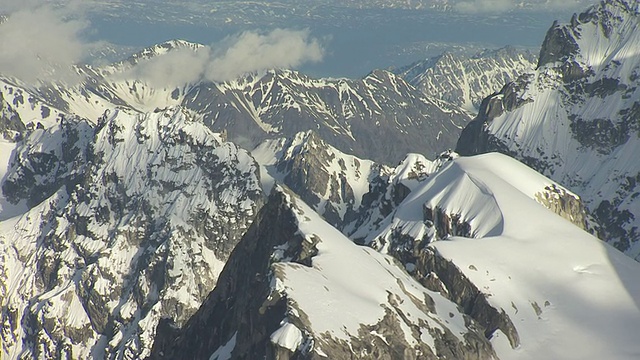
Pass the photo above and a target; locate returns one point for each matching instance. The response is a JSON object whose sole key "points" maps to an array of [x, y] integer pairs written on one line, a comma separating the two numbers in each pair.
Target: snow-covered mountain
{"points": [[331, 182], [295, 287], [119, 206], [466, 80], [134, 221], [120, 84], [380, 117], [127, 222], [512, 289], [575, 118], [539, 291]]}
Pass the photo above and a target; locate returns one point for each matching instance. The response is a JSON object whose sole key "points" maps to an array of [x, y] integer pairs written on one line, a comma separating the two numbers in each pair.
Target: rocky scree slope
{"points": [[576, 118]]}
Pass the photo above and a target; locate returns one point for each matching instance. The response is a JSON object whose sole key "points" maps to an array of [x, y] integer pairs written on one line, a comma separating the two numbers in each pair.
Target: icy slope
{"points": [[575, 119], [318, 295], [558, 292], [465, 81], [138, 226]]}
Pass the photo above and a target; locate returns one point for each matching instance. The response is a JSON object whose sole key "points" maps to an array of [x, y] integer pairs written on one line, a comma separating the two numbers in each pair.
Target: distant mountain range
{"points": [[466, 81], [281, 216]]}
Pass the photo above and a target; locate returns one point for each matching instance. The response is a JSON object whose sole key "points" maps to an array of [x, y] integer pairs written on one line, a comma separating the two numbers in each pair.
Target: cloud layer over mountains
{"points": [[40, 41], [247, 52]]}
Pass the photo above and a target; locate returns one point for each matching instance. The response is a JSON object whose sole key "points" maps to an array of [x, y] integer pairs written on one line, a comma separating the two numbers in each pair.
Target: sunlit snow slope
{"points": [[576, 118], [567, 294]]}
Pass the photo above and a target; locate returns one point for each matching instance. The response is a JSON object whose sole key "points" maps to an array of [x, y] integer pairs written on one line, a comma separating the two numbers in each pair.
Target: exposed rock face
{"points": [[144, 211], [446, 224], [443, 275], [465, 81], [47, 160], [258, 300], [330, 181], [575, 119], [559, 44], [241, 305], [11, 126], [567, 205]]}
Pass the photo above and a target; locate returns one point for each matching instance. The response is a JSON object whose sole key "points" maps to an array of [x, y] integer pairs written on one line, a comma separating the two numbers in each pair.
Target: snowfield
{"points": [[569, 295]]}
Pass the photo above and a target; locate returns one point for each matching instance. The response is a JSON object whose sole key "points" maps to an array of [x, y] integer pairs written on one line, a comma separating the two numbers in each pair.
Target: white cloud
{"points": [[485, 6], [244, 53], [41, 42], [251, 51], [175, 68]]}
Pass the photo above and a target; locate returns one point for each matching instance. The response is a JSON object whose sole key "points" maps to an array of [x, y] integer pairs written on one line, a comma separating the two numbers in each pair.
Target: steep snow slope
{"points": [[318, 295], [575, 118], [465, 81], [140, 215], [559, 292]]}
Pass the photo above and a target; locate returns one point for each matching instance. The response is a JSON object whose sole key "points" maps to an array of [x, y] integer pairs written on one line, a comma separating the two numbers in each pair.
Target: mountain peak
{"points": [[163, 48], [465, 81], [592, 35]]}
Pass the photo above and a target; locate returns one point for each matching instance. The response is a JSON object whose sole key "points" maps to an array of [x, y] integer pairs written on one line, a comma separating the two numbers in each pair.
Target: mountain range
{"points": [[282, 216]]}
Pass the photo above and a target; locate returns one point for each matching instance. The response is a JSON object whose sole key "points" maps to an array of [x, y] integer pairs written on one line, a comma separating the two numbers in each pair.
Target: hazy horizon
{"points": [[355, 37]]}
